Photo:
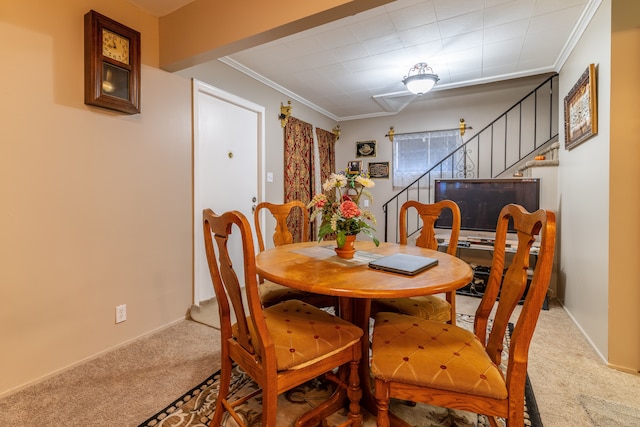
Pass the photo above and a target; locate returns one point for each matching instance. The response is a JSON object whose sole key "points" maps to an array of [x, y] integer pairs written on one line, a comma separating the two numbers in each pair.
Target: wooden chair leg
{"points": [[354, 392], [382, 403], [269, 405], [223, 391]]}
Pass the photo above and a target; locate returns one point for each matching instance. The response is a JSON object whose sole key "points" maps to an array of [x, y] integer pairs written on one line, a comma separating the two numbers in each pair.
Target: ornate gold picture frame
{"points": [[581, 110]]}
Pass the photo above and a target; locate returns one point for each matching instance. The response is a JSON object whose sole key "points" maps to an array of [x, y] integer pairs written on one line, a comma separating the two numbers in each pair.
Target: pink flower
{"points": [[320, 204], [349, 209]]}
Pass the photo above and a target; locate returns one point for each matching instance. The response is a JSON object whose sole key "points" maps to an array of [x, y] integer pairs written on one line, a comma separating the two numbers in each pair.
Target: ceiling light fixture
{"points": [[420, 79]]}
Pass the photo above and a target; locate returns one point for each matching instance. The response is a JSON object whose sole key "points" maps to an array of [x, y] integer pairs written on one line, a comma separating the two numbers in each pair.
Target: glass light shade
{"points": [[420, 79]]}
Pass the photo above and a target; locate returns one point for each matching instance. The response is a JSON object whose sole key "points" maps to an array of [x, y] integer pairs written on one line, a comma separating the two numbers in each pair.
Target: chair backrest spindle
{"points": [[282, 213], [429, 214]]}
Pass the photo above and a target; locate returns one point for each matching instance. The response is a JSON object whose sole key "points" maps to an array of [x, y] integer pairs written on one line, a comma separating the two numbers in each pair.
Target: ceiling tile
{"points": [[414, 16], [506, 31], [446, 9], [461, 24], [508, 12]]}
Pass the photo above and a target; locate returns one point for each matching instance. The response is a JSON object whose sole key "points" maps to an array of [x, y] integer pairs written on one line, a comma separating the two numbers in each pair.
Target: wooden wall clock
{"points": [[111, 64]]}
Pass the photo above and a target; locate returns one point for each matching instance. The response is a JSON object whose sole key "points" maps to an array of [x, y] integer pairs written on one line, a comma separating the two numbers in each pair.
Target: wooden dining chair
{"points": [[273, 293], [279, 347], [444, 365], [426, 306]]}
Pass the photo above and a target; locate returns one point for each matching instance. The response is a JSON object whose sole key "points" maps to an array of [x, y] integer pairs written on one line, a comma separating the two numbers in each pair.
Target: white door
{"points": [[228, 160]]}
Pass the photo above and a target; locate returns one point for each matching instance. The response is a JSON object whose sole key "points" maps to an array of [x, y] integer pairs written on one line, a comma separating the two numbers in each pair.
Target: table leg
{"points": [[357, 311]]}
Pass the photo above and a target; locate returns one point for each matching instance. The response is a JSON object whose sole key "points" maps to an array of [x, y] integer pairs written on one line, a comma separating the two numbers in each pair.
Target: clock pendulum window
{"points": [[112, 64]]}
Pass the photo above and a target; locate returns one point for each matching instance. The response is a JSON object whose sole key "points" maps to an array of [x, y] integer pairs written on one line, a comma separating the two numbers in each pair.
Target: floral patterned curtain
{"points": [[327, 150], [298, 169], [327, 153]]}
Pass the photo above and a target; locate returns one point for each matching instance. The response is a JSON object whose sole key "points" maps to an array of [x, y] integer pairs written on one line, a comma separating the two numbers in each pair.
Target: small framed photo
{"points": [[354, 167], [580, 110], [379, 170], [365, 149]]}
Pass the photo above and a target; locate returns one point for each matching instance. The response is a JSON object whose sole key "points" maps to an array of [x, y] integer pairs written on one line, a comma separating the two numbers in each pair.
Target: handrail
{"points": [[492, 151]]}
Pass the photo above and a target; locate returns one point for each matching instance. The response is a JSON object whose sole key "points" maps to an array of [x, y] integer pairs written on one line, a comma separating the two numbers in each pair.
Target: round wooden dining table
{"points": [[315, 267]]}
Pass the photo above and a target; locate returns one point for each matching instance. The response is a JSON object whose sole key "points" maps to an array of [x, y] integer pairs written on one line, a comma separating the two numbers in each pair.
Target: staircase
{"points": [[498, 150]]}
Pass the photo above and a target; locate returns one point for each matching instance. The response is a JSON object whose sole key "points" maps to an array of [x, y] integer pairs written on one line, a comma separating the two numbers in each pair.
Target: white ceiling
{"points": [[352, 68]]}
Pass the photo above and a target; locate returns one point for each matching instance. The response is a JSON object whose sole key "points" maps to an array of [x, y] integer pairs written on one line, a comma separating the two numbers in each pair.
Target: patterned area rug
{"points": [[195, 408]]}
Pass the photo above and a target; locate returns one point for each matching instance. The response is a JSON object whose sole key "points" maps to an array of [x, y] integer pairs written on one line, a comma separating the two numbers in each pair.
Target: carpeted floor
{"points": [[573, 387], [195, 408]]}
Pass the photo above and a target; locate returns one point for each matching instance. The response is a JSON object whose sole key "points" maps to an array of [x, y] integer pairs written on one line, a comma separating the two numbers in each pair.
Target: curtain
{"points": [[327, 153], [298, 169]]}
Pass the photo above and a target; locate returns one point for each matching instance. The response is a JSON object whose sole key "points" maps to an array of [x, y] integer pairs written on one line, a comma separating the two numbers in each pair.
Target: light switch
{"points": [[269, 176], [366, 203]]}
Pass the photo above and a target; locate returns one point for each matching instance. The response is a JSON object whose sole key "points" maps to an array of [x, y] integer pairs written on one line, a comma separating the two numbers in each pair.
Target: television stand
{"points": [[479, 256]]}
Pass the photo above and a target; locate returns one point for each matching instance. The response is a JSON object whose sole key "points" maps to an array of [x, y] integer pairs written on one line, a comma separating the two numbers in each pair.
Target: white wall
{"points": [[584, 193]]}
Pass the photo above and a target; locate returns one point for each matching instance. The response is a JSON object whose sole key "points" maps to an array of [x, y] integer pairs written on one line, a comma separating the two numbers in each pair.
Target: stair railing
{"points": [[496, 150]]}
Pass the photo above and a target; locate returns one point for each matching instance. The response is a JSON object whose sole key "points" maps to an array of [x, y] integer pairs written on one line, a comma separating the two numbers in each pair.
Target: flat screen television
{"points": [[480, 200]]}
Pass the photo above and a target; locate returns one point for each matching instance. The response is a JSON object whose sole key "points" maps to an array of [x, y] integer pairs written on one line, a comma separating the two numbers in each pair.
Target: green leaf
{"points": [[325, 228], [369, 232]]}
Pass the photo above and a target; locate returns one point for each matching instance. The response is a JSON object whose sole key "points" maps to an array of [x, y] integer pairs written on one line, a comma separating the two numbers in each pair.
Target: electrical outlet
{"points": [[121, 313]]}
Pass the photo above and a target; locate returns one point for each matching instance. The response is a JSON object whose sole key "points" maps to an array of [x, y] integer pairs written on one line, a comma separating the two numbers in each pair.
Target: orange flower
{"points": [[349, 209]]}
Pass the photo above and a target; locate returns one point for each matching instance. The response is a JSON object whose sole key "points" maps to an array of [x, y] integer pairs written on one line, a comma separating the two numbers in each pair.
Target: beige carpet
{"points": [[121, 388], [206, 313], [573, 387]]}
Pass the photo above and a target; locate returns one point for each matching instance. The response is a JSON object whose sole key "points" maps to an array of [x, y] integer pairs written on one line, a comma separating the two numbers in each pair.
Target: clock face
{"points": [[115, 46]]}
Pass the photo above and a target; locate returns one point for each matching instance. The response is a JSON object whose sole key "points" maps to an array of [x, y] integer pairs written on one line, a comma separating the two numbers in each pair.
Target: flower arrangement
{"points": [[339, 207]]}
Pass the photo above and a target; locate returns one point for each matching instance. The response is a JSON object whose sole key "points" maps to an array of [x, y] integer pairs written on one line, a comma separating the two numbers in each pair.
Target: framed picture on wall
{"points": [[581, 110], [379, 170], [365, 149], [354, 167]]}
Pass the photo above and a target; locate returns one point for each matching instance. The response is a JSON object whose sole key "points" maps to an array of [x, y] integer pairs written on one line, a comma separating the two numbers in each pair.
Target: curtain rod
{"points": [[463, 126]]}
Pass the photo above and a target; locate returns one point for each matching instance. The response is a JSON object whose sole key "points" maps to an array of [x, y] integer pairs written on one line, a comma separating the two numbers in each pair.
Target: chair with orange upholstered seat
{"points": [[444, 365], [279, 347], [273, 293], [426, 306]]}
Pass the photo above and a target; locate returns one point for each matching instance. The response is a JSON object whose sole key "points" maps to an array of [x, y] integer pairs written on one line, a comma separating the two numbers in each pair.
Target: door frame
{"points": [[197, 88]]}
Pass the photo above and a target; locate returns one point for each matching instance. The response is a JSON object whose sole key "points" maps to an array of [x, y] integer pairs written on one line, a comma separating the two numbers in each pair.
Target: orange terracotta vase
{"points": [[348, 250]]}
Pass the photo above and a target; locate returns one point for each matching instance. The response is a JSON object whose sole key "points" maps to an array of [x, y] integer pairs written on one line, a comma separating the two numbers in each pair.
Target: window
{"points": [[415, 153]]}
